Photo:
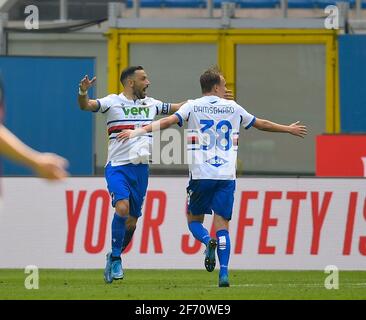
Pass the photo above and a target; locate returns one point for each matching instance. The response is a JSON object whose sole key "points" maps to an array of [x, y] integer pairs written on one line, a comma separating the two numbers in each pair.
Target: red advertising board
{"points": [[341, 156], [277, 223]]}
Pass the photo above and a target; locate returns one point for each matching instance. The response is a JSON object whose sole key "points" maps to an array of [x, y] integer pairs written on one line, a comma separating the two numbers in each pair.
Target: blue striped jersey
{"points": [[122, 113]]}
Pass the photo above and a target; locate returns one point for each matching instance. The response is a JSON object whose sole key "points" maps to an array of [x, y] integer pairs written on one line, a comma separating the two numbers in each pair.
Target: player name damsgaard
{"points": [[152, 310], [213, 109]]}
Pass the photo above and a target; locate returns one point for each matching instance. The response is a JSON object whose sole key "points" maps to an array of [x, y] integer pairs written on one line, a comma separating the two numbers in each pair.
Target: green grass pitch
{"points": [[88, 284]]}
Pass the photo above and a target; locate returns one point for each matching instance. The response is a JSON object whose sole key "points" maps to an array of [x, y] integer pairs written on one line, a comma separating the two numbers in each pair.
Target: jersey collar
{"points": [[136, 102], [211, 99]]}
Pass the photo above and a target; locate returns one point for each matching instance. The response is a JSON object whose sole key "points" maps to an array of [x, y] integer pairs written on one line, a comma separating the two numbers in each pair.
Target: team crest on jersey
{"points": [[216, 161]]}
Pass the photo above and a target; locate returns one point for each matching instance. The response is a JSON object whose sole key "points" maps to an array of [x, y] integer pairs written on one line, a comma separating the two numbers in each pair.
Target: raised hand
{"points": [[298, 130], [86, 83]]}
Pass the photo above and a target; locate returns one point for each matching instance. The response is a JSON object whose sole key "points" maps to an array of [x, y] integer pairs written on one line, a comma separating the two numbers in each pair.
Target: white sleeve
{"points": [[162, 107], [183, 113], [104, 104], [246, 119]]}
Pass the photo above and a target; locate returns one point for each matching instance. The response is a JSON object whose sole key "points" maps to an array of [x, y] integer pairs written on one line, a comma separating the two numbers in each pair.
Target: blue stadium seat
{"points": [[250, 3], [302, 4], [323, 3], [147, 3], [217, 3], [258, 3], [184, 3]]}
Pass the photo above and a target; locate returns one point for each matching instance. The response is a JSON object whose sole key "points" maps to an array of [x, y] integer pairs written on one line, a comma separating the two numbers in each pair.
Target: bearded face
{"points": [[140, 84]]}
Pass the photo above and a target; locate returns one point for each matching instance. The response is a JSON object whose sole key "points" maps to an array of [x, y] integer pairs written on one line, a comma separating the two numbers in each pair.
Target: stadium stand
{"points": [[94, 10], [250, 4]]}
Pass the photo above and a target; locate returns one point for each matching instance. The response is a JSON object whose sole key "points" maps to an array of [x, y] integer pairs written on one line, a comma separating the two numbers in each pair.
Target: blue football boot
{"points": [[210, 260], [108, 278], [117, 271], [224, 281]]}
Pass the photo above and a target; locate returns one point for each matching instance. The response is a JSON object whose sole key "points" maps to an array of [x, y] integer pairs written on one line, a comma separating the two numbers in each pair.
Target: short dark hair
{"points": [[210, 78], [129, 72]]}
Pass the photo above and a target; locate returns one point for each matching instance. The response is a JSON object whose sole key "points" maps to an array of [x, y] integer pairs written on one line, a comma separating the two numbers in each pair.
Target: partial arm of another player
{"points": [[295, 128], [46, 165], [154, 126], [84, 102], [175, 107], [229, 95]]}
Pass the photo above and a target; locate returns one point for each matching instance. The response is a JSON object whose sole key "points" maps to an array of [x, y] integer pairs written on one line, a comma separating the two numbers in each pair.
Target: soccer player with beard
{"points": [[127, 168]]}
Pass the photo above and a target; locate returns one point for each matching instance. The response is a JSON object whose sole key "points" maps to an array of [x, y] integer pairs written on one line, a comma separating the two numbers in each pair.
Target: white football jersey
{"points": [[213, 135], [121, 114]]}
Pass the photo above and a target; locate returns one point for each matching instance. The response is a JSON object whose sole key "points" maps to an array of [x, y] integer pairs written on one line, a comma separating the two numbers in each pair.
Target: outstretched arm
{"points": [[175, 107], [84, 102], [46, 165], [154, 126], [295, 129]]}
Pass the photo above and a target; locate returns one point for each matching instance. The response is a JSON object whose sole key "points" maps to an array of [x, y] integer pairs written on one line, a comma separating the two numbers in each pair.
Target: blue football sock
{"points": [[118, 234], [199, 231], [128, 237], [223, 250]]}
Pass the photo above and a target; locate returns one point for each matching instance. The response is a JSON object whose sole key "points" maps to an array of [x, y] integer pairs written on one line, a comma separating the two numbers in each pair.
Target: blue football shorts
{"points": [[128, 182], [206, 195]]}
